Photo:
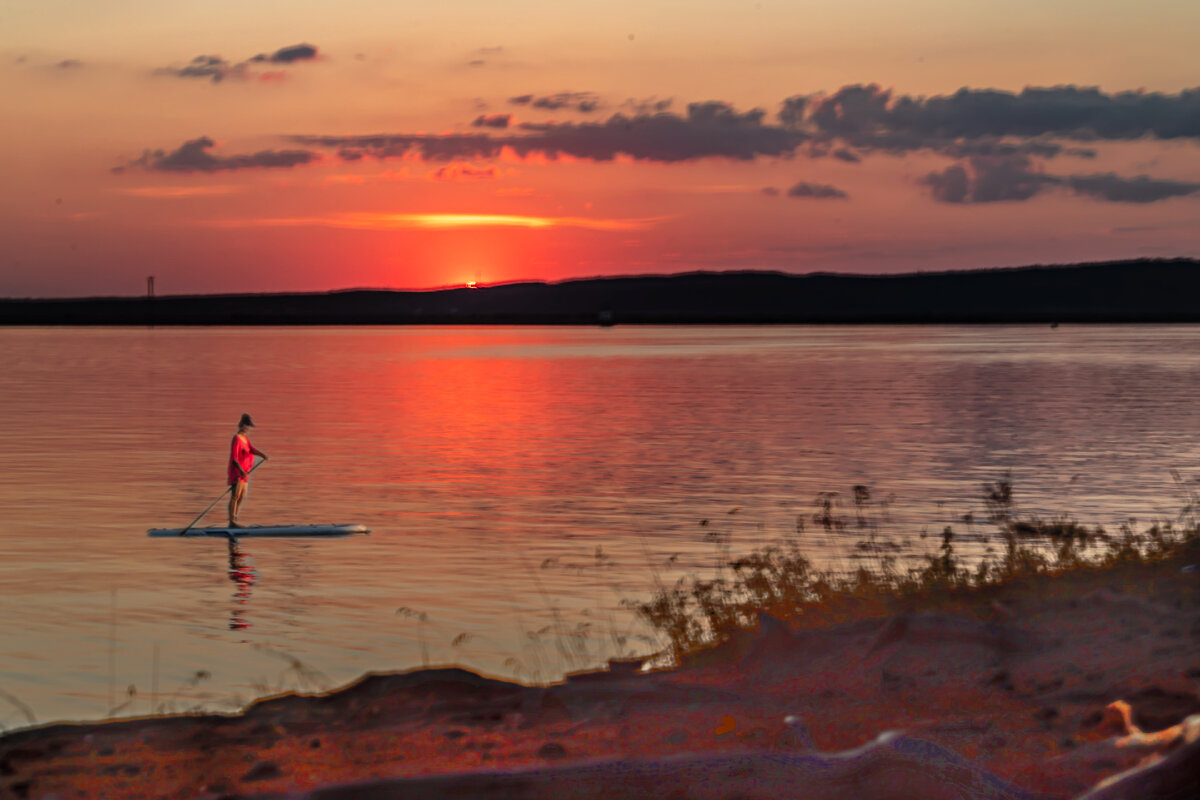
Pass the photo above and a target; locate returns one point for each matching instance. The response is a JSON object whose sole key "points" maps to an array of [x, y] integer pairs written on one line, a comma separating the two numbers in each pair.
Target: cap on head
{"points": [[246, 422]]}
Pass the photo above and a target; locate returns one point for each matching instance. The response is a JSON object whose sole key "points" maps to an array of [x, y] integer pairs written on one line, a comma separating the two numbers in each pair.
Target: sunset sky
{"points": [[312, 145]]}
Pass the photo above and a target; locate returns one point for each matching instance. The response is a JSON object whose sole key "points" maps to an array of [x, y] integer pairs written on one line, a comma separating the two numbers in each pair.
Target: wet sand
{"points": [[997, 693]]}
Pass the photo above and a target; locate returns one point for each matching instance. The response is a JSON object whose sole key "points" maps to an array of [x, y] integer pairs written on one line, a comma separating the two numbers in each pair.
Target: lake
{"points": [[520, 483]]}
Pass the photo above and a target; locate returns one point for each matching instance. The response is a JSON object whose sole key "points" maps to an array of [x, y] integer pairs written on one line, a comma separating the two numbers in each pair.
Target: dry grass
{"points": [[779, 580]]}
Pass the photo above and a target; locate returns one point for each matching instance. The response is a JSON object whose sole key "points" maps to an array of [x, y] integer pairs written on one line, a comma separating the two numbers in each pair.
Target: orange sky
{"points": [[220, 146]]}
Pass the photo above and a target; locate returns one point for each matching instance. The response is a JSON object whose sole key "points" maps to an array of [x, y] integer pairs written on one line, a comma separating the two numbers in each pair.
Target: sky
{"points": [[309, 145]]}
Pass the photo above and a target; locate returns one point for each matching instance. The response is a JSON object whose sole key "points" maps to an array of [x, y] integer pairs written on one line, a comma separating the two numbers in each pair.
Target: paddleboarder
{"points": [[241, 461]]}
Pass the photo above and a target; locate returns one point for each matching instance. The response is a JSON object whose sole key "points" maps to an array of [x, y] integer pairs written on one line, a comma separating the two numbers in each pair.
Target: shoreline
{"points": [[1007, 687], [1137, 291]]}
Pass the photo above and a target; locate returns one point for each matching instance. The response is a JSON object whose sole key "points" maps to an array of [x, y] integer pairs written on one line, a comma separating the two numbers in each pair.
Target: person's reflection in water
{"points": [[242, 573]]}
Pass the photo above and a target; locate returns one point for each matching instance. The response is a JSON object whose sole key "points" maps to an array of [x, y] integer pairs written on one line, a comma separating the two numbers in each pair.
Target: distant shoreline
{"points": [[1141, 291]]}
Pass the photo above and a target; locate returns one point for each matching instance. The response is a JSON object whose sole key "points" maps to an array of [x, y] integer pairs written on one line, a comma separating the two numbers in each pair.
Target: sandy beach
{"points": [[997, 692]]}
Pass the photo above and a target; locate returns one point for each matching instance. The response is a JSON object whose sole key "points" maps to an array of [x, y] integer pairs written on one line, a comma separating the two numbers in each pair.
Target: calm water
{"points": [[493, 464]]}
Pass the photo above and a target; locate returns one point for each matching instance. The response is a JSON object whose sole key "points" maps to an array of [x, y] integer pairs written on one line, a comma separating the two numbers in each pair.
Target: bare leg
{"points": [[235, 500]]}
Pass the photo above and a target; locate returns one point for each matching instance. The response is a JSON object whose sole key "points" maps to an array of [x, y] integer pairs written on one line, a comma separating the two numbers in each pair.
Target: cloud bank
{"points": [[194, 156], [707, 130], [848, 125], [871, 115], [991, 180]]}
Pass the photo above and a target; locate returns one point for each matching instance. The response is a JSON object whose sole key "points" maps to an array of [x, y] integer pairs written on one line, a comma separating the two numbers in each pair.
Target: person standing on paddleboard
{"points": [[241, 461]]}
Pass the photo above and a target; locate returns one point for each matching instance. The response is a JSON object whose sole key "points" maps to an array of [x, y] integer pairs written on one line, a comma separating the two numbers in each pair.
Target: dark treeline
{"points": [[1118, 291]]}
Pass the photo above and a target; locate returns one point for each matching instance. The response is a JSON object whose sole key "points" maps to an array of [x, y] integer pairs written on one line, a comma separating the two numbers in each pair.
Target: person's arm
{"points": [[258, 452]]}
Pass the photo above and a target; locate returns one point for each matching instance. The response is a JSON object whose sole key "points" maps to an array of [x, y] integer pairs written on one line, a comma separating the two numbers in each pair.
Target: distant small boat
{"points": [[263, 531], [1053, 324]]}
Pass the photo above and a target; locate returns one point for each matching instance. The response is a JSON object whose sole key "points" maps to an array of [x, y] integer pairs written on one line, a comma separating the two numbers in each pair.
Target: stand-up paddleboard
{"points": [[263, 530]]}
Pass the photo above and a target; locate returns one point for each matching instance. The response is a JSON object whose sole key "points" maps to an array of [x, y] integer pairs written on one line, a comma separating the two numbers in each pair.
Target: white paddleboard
{"points": [[263, 530]]}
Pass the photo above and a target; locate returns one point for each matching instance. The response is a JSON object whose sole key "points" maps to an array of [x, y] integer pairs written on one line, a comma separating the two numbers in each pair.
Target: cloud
{"points": [[951, 185], [584, 102], [770, 191], [193, 156], [818, 191], [791, 111], [992, 134], [990, 180], [371, 221], [69, 63], [872, 117], [463, 172], [492, 121], [1142, 189], [217, 69], [478, 62], [289, 55], [707, 130], [649, 105]]}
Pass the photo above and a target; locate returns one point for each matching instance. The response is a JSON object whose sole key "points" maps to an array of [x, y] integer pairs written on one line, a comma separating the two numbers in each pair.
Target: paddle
{"points": [[219, 499]]}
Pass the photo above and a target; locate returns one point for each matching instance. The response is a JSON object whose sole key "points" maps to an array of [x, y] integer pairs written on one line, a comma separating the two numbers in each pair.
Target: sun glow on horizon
{"points": [[377, 221]]}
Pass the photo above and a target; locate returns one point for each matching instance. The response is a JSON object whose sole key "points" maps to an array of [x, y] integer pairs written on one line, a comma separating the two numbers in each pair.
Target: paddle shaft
{"points": [[219, 499]]}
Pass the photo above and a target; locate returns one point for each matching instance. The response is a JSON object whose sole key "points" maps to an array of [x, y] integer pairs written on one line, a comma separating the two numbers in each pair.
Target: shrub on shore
{"points": [[781, 581]]}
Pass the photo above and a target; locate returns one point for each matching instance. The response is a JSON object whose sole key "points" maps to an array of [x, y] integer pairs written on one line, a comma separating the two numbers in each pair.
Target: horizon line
{"points": [[632, 276]]}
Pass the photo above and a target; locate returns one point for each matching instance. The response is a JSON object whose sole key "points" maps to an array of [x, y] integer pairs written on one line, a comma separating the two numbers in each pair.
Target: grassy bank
{"points": [[779, 580]]}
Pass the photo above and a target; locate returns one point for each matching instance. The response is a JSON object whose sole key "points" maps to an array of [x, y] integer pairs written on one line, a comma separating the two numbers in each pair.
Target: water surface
{"points": [[520, 482]]}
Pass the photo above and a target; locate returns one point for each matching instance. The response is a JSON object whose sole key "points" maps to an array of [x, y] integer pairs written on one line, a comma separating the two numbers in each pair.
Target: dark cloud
{"points": [[819, 191], [875, 118], [217, 69], [995, 137], [707, 130], [214, 68], [194, 156], [479, 62], [289, 55], [585, 102], [1141, 189], [649, 105], [990, 180], [951, 185], [791, 111], [492, 121], [69, 63]]}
